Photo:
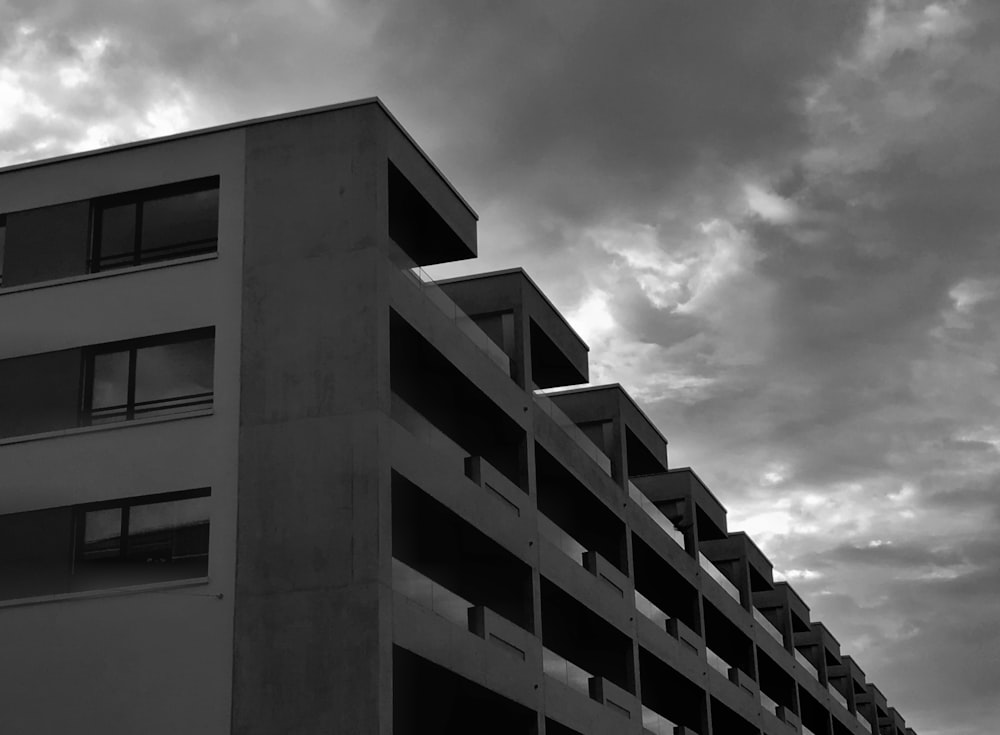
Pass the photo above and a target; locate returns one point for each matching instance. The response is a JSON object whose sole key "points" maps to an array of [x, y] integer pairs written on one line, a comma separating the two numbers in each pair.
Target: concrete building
{"points": [[259, 475]]}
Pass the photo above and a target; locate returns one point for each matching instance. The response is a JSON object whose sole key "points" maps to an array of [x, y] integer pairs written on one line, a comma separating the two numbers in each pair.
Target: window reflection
{"points": [[156, 224], [3, 243], [102, 534], [110, 387], [169, 372], [116, 225], [182, 222], [150, 377], [137, 541]]}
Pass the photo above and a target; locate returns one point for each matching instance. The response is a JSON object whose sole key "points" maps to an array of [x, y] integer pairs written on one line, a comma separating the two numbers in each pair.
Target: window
{"points": [[3, 241], [150, 377], [118, 231], [117, 543], [155, 224], [141, 540]]}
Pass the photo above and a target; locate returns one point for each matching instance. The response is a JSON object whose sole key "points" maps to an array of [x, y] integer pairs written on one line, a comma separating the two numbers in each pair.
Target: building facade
{"points": [[260, 474]]}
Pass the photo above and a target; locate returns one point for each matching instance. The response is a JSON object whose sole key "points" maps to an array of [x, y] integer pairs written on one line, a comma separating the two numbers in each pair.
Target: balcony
{"points": [[422, 280], [649, 507], [561, 540], [715, 573], [767, 625], [717, 662], [838, 696], [655, 723], [548, 406], [769, 704], [562, 670], [651, 611], [477, 619], [807, 665], [426, 592]]}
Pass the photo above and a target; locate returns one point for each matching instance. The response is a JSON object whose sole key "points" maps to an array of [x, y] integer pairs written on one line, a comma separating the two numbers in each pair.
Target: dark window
{"points": [[155, 224], [3, 241], [152, 376], [116, 543], [142, 540], [40, 393], [149, 377]]}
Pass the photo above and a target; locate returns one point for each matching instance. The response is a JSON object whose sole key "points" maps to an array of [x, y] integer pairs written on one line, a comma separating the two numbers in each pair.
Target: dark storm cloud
{"points": [[628, 99]]}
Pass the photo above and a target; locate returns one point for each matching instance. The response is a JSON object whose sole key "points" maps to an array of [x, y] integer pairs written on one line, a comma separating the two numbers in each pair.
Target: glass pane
{"points": [[174, 377], [109, 395], [181, 224], [117, 235], [168, 532], [102, 534], [3, 242]]}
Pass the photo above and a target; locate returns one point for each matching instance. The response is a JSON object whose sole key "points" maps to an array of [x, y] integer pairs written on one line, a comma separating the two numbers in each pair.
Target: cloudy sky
{"points": [[774, 221]]}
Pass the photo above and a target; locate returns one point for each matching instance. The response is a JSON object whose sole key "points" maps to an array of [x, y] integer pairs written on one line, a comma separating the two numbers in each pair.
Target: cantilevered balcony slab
{"points": [[581, 713], [737, 554], [544, 350], [743, 700], [682, 496], [583, 585], [819, 647], [426, 215], [681, 652], [499, 667], [445, 335], [618, 427], [485, 499]]}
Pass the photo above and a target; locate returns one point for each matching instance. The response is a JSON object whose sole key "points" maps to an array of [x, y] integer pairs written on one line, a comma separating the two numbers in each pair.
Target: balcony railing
{"points": [[423, 590], [650, 610], [655, 723], [837, 695], [769, 704], [717, 662], [864, 721], [767, 625], [807, 731], [806, 665], [566, 424], [561, 540], [715, 573], [449, 308], [656, 514], [565, 671]]}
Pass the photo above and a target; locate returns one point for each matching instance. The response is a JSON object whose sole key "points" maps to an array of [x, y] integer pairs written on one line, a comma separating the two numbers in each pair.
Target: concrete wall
{"points": [[310, 654], [157, 661]]}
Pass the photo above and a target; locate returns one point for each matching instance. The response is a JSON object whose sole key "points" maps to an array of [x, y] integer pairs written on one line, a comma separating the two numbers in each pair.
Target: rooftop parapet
{"points": [[544, 350]]}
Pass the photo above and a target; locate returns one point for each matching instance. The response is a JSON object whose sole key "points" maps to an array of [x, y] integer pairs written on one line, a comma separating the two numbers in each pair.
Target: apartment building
{"points": [[260, 474]]}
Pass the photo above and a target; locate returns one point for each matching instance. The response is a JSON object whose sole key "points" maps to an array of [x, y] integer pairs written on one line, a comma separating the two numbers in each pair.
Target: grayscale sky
{"points": [[776, 222]]}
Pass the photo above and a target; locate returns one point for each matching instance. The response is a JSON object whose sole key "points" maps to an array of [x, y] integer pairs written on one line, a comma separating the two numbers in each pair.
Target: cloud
{"points": [[774, 222]]}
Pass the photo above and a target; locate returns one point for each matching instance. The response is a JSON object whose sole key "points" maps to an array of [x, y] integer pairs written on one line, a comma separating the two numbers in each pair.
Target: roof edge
{"points": [[224, 127]]}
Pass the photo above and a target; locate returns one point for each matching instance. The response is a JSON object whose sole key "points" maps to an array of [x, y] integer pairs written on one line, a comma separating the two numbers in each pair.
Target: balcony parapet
{"points": [[544, 350], [618, 426], [691, 505], [789, 718], [605, 571], [685, 636], [614, 697]]}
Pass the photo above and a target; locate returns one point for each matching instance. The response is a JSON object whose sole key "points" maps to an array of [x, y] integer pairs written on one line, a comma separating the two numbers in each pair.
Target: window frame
{"points": [[3, 243], [125, 504], [132, 347], [138, 198]]}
